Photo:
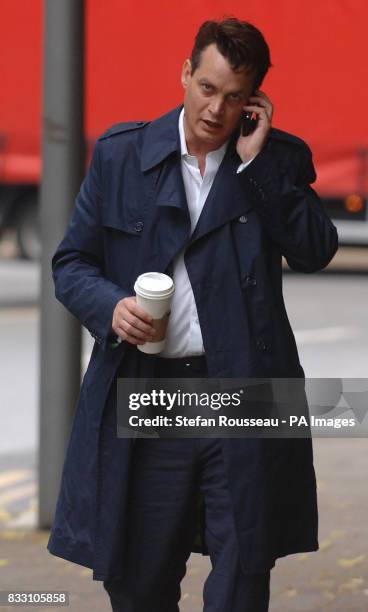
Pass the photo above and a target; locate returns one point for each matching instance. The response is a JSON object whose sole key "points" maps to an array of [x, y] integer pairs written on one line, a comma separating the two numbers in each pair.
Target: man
{"points": [[189, 195]]}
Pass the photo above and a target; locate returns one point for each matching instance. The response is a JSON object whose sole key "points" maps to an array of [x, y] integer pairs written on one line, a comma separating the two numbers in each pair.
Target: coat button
{"points": [[243, 219], [261, 345], [138, 226], [250, 280]]}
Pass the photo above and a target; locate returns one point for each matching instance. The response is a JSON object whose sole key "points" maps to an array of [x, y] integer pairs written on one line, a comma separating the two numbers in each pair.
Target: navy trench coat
{"points": [[130, 217]]}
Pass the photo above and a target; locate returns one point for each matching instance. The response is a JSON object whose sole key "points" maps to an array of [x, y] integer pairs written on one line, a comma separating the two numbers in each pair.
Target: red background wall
{"points": [[135, 52]]}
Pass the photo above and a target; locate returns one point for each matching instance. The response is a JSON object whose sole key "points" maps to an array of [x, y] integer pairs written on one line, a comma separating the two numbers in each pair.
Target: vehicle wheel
{"points": [[28, 229]]}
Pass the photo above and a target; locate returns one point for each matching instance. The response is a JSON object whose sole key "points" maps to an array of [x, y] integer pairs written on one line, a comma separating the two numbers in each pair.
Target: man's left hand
{"points": [[249, 146]]}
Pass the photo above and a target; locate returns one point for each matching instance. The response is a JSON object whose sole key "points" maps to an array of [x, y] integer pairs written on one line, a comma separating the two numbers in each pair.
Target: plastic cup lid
{"points": [[154, 285]]}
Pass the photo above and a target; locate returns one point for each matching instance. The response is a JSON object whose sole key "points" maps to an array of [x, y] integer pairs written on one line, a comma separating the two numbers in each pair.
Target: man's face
{"points": [[213, 101]]}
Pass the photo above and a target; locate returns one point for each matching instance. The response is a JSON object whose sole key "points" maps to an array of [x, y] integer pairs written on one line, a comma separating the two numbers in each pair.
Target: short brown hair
{"points": [[239, 41]]}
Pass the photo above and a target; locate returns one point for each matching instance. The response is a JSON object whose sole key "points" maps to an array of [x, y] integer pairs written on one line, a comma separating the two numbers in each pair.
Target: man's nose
{"points": [[216, 106]]}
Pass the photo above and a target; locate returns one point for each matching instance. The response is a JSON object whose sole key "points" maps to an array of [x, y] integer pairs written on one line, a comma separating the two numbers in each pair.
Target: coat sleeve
{"points": [[290, 210], [78, 263]]}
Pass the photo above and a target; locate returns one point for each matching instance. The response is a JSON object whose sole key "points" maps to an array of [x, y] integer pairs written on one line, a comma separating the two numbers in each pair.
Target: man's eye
{"points": [[206, 86]]}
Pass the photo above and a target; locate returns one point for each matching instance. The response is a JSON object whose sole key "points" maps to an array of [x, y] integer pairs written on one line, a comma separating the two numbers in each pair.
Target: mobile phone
{"points": [[249, 122]]}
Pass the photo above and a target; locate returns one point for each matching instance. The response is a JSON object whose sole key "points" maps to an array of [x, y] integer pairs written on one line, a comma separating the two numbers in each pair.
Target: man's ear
{"points": [[186, 73]]}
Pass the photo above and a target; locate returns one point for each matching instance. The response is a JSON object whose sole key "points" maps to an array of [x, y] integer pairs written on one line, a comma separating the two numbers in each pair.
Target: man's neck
{"points": [[199, 150]]}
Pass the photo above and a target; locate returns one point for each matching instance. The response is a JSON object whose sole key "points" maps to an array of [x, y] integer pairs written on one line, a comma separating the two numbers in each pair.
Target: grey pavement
{"points": [[334, 579], [19, 283]]}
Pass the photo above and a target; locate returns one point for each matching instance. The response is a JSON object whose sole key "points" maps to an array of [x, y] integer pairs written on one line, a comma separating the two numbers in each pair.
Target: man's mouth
{"points": [[213, 125]]}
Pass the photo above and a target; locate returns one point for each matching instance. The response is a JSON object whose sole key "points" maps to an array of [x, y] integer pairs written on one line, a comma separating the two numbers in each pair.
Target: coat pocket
{"points": [[133, 226]]}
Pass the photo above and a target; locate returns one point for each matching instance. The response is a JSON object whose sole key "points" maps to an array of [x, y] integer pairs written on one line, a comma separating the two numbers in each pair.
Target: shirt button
{"points": [[243, 219], [261, 345]]}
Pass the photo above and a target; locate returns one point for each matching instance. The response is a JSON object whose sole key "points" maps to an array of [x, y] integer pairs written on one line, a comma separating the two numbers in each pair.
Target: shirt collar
{"points": [[217, 154]]}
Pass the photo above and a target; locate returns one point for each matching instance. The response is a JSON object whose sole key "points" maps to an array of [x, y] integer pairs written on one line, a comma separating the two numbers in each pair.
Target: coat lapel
{"points": [[167, 228], [226, 200]]}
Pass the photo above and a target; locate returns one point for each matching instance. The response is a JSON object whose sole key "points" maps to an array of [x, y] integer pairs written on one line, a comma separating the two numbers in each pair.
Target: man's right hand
{"points": [[132, 323]]}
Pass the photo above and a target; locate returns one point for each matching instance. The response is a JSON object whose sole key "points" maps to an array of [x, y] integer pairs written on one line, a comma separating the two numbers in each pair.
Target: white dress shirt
{"points": [[184, 336]]}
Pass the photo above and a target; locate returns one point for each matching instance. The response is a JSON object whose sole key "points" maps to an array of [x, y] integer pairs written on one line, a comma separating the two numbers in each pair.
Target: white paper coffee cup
{"points": [[154, 292]]}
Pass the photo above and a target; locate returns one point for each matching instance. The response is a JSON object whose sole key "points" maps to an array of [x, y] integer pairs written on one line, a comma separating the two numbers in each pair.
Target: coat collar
{"points": [[225, 200], [162, 139]]}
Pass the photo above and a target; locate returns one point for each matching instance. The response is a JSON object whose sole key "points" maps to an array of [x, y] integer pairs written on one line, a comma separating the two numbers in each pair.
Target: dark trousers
{"points": [[161, 525]]}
